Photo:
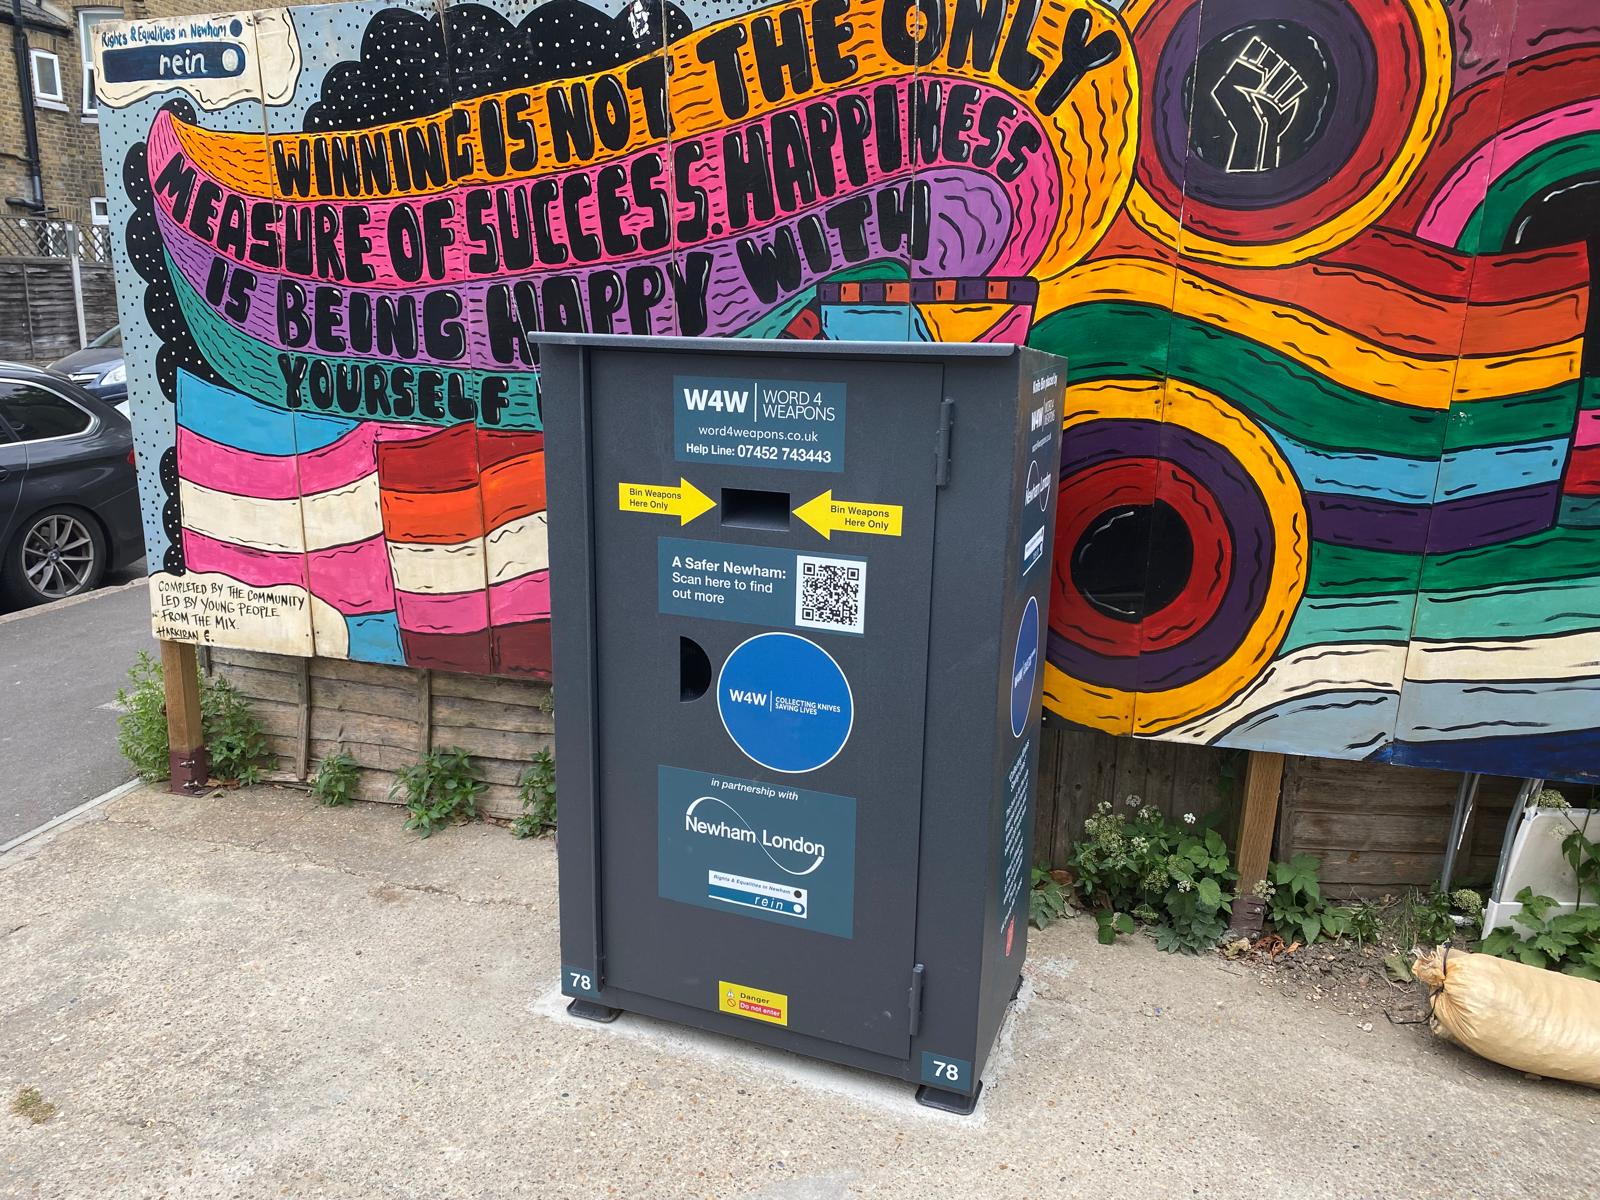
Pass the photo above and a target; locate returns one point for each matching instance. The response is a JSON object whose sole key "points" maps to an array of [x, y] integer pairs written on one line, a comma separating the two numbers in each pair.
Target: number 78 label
{"points": [[579, 981], [951, 1074]]}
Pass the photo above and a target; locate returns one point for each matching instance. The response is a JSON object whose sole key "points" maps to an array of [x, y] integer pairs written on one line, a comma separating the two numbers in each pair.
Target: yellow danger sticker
{"points": [[772, 1007]]}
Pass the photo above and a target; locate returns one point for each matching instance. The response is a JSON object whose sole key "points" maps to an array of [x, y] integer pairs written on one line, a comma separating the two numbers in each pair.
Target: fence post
{"points": [[74, 253], [187, 751], [1263, 783]]}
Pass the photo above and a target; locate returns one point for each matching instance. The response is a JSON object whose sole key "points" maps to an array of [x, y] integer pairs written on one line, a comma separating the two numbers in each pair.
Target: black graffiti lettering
{"points": [[848, 218], [458, 149], [792, 179], [437, 234], [574, 189], [855, 124], [748, 176], [542, 194], [512, 313], [822, 130], [265, 244], [357, 245], [405, 401], [444, 336], [327, 319], [692, 228], [425, 155], [481, 232], [814, 243], [975, 29], [293, 368], [652, 197], [232, 226], [524, 137], [1019, 66], [690, 282], [493, 398], [772, 267], [563, 306], [719, 50], [614, 206], [646, 289], [405, 243], [206, 198], [571, 129], [649, 78], [780, 49], [995, 112], [375, 379], [375, 172], [430, 400], [294, 327], [1024, 141], [612, 118], [293, 166], [1079, 56], [829, 32], [606, 295], [901, 18], [886, 112]]}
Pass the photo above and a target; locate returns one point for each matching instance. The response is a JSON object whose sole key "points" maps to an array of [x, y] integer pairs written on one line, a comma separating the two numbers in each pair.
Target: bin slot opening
{"points": [[748, 508], [694, 670]]}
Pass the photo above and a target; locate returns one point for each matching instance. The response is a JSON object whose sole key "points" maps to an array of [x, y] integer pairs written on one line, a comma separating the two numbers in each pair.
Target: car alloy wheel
{"points": [[58, 556]]}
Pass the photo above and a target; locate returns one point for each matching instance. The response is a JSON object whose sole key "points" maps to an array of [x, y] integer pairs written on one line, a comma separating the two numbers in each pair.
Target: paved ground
{"points": [[252, 997], [60, 668]]}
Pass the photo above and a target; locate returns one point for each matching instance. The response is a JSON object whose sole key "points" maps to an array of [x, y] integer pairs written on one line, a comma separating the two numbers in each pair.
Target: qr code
{"points": [[832, 594]]}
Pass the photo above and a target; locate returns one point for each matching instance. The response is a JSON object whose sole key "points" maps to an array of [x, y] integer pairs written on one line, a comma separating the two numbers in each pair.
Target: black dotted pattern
{"points": [[177, 347], [403, 55]]}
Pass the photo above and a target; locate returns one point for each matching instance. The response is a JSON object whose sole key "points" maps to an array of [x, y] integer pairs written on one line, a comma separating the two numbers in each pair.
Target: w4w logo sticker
{"points": [[741, 696], [699, 399]]}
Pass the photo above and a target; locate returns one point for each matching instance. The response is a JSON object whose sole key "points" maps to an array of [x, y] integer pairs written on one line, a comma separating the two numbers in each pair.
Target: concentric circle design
{"points": [[1210, 607], [1304, 128]]}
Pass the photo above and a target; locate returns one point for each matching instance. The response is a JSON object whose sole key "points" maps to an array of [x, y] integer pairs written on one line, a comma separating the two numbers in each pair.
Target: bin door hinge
{"points": [[916, 999], [941, 449]]}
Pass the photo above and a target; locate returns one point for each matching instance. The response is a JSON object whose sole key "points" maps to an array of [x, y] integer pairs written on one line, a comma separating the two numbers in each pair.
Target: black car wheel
{"points": [[58, 553]]}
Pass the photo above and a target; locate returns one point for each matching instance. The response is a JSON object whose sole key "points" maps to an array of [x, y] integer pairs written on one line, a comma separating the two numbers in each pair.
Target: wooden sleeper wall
{"points": [[386, 718]]}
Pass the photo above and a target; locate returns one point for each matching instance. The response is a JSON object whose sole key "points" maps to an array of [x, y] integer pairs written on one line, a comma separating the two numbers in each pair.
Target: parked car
{"points": [[99, 368], [69, 504]]}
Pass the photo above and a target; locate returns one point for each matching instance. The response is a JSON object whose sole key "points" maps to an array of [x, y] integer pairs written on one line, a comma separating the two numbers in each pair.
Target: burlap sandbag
{"points": [[1523, 1017]]}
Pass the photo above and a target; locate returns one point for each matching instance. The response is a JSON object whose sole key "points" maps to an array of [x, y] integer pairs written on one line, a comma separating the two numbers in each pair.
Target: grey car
{"points": [[99, 369], [69, 503]]}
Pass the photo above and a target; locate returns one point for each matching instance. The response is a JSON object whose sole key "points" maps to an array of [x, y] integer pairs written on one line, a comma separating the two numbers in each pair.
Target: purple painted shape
{"points": [[1253, 547], [1538, 27], [1494, 517], [1368, 523]]}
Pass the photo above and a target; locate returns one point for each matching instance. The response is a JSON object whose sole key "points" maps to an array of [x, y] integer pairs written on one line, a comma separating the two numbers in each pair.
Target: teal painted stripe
{"points": [[252, 367], [1381, 476], [1513, 610], [1321, 621], [1582, 511], [233, 419]]}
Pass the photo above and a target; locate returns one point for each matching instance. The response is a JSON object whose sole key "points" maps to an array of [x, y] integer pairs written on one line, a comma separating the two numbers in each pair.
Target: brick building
{"points": [[57, 85]]}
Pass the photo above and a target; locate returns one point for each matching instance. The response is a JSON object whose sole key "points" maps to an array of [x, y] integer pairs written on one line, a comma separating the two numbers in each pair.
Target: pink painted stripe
{"points": [[1588, 430], [525, 598], [238, 472], [354, 578], [450, 612], [341, 463], [258, 568], [1459, 197]]}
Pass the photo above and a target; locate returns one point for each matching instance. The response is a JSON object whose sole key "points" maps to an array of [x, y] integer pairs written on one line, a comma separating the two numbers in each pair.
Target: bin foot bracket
{"points": [[947, 1101], [591, 1010]]}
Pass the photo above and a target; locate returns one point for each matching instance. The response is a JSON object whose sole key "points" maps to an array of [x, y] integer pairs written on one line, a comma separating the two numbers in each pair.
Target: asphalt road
{"points": [[60, 668]]}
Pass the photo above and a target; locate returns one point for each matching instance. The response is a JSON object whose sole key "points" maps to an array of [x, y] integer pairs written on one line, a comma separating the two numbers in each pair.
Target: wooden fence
{"points": [[386, 718], [1376, 828]]}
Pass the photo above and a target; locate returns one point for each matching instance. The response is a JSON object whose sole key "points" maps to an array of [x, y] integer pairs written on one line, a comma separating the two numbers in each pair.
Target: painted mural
{"points": [[1331, 474]]}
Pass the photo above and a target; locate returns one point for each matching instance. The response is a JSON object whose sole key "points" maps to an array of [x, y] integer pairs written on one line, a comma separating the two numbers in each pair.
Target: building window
{"points": [[47, 91], [88, 18], [99, 212]]}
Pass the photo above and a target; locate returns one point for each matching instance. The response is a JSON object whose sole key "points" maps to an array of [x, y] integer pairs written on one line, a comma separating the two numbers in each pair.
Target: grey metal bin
{"points": [[799, 596]]}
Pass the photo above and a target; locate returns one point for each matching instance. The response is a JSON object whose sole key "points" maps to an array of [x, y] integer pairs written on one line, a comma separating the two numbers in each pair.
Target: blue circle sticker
{"points": [[1025, 667], [785, 702]]}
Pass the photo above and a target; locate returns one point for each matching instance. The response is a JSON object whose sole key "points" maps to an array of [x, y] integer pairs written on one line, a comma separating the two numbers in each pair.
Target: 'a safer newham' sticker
{"points": [[761, 585], [785, 702], [749, 422], [754, 849]]}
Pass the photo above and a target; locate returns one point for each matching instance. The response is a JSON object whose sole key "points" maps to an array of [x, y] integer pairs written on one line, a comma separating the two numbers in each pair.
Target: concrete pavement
{"points": [[249, 996], [60, 668]]}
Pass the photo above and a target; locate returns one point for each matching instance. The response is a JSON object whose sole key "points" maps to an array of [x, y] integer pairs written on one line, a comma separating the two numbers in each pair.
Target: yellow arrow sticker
{"points": [[829, 516], [686, 502]]}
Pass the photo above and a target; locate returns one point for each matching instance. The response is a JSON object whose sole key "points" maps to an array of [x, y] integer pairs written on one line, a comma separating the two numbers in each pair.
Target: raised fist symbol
{"points": [[1259, 95]]}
